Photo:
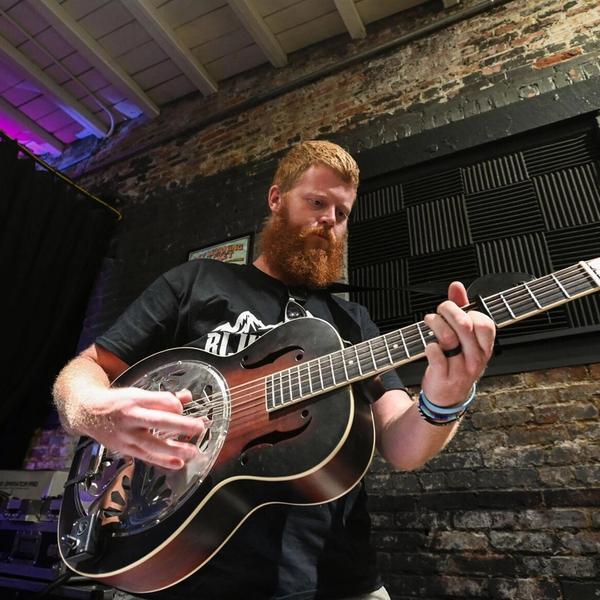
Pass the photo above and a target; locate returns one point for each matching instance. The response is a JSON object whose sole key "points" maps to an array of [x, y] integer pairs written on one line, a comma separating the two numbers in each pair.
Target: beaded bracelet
{"points": [[443, 415]]}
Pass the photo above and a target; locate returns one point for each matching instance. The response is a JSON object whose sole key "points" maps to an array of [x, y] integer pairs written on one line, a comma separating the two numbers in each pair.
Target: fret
{"points": [[289, 378], [416, 343], [358, 360], [316, 383], [395, 350], [296, 388], [286, 388], [418, 325], [560, 285], [321, 374], [487, 308], [327, 372], [387, 349], [407, 353], [282, 399], [310, 385], [372, 355], [332, 369], [499, 314], [510, 312], [300, 380], [575, 281], [532, 295], [269, 391], [345, 368], [351, 364], [592, 268], [378, 344], [520, 303]]}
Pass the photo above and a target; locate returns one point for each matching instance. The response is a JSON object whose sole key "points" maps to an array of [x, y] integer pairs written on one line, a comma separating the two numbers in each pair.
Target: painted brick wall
{"points": [[510, 509]]}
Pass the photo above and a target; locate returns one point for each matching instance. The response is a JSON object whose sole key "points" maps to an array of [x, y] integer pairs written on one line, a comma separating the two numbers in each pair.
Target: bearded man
{"points": [[281, 551]]}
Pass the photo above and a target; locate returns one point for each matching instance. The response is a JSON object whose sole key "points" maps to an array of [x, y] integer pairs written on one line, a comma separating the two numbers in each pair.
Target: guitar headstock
{"points": [[594, 264]]}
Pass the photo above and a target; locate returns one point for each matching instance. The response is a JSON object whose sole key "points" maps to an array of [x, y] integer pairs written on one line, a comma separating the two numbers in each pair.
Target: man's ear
{"points": [[275, 198]]}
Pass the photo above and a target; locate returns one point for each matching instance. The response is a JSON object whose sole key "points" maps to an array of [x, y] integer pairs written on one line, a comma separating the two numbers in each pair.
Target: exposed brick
{"points": [[480, 563], [524, 589], [574, 567], [472, 520], [554, 519], [557, 476], [584, 542], [521, 541], [588, 475], [456, 460], [508, 478], [460, 540]]}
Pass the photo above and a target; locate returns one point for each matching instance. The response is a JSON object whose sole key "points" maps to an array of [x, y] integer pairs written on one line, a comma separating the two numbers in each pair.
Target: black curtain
{"points": [[52, 243]]}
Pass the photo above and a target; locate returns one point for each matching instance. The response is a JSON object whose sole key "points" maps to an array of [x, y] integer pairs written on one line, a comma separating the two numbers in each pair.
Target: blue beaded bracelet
{"points": [[443, 415]]}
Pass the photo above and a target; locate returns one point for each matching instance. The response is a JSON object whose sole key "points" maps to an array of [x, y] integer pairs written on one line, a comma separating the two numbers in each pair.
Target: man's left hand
{"points": [[469, 336]]}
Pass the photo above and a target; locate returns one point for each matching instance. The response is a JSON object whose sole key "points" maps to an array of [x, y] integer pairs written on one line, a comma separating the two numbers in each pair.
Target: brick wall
{"points": [[509, 510]]}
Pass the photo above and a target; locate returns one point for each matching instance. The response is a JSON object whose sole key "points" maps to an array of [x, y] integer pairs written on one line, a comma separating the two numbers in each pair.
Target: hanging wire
{"points": [[56, 61], [64, 178]]}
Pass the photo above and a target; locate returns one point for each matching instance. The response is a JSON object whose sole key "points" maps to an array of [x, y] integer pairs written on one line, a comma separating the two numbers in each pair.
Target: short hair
{"points": [[310, 153]]}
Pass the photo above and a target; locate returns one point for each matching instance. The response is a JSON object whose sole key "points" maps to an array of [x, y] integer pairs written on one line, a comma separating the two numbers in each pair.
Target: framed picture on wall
{"points": [[238, 251]]}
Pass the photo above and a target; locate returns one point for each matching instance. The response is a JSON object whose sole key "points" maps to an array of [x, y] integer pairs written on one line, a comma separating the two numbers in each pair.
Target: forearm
{"points": [[78, 382], [406, 440]]}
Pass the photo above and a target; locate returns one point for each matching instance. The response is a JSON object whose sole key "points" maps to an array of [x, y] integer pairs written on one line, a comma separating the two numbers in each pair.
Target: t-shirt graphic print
{"points": [[228, 339]]}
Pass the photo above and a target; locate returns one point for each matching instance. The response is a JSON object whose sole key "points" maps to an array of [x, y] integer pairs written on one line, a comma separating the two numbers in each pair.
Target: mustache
{"points": [[320, 230]]}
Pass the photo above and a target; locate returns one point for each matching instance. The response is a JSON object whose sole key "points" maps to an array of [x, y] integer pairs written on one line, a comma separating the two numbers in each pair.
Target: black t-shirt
{"points": [[280, 551]]}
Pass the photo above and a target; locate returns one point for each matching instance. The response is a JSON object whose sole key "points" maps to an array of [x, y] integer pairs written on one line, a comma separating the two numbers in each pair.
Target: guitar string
{"points": [[256, 403], [252, 386], [363, 348], [518, 289]]}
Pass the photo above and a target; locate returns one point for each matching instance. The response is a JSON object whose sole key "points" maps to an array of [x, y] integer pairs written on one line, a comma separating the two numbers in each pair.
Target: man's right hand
{"points": [[143, 424], [131, 421]]}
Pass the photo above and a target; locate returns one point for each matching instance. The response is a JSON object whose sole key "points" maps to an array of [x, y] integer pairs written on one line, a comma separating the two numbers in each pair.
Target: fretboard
{"points": [[398, 347]]}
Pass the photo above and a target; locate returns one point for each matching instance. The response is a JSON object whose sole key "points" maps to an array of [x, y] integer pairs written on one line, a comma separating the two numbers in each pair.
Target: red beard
{"points": [[287, 250]]}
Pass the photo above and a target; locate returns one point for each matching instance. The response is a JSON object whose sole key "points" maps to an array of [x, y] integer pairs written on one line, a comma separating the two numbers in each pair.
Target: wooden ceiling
{"points": [[73, 68]]}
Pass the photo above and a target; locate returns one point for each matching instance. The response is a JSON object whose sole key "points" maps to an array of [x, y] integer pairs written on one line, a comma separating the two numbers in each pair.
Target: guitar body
{"points": [[142, 528]]}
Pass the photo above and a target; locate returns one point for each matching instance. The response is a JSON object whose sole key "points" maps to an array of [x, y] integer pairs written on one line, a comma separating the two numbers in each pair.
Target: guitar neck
{"points": [[407, 344]]}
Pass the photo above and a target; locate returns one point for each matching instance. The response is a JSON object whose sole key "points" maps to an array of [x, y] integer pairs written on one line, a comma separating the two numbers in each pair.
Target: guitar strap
{"points": [[347, 325]]}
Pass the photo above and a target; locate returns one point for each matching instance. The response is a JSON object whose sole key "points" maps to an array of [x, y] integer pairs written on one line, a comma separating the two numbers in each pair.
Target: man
{"points": [[280, 551]]}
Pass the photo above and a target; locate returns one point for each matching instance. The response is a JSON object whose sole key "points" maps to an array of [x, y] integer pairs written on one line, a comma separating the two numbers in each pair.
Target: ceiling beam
{"points": [[247, 13], [88, 47], [352, 20], [65, 101], [149, 18], [7, 109]]}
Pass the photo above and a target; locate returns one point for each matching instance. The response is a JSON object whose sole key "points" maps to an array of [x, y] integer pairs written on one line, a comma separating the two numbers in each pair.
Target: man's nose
{"points": [[328, 217]]}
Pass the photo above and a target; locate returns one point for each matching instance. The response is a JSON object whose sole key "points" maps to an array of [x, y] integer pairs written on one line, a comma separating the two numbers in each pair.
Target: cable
{"points": [[60, 580]]}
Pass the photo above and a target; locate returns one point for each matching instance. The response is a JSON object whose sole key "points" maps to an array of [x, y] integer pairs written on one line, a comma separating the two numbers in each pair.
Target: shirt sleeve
{"points": [[147, 326]]}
